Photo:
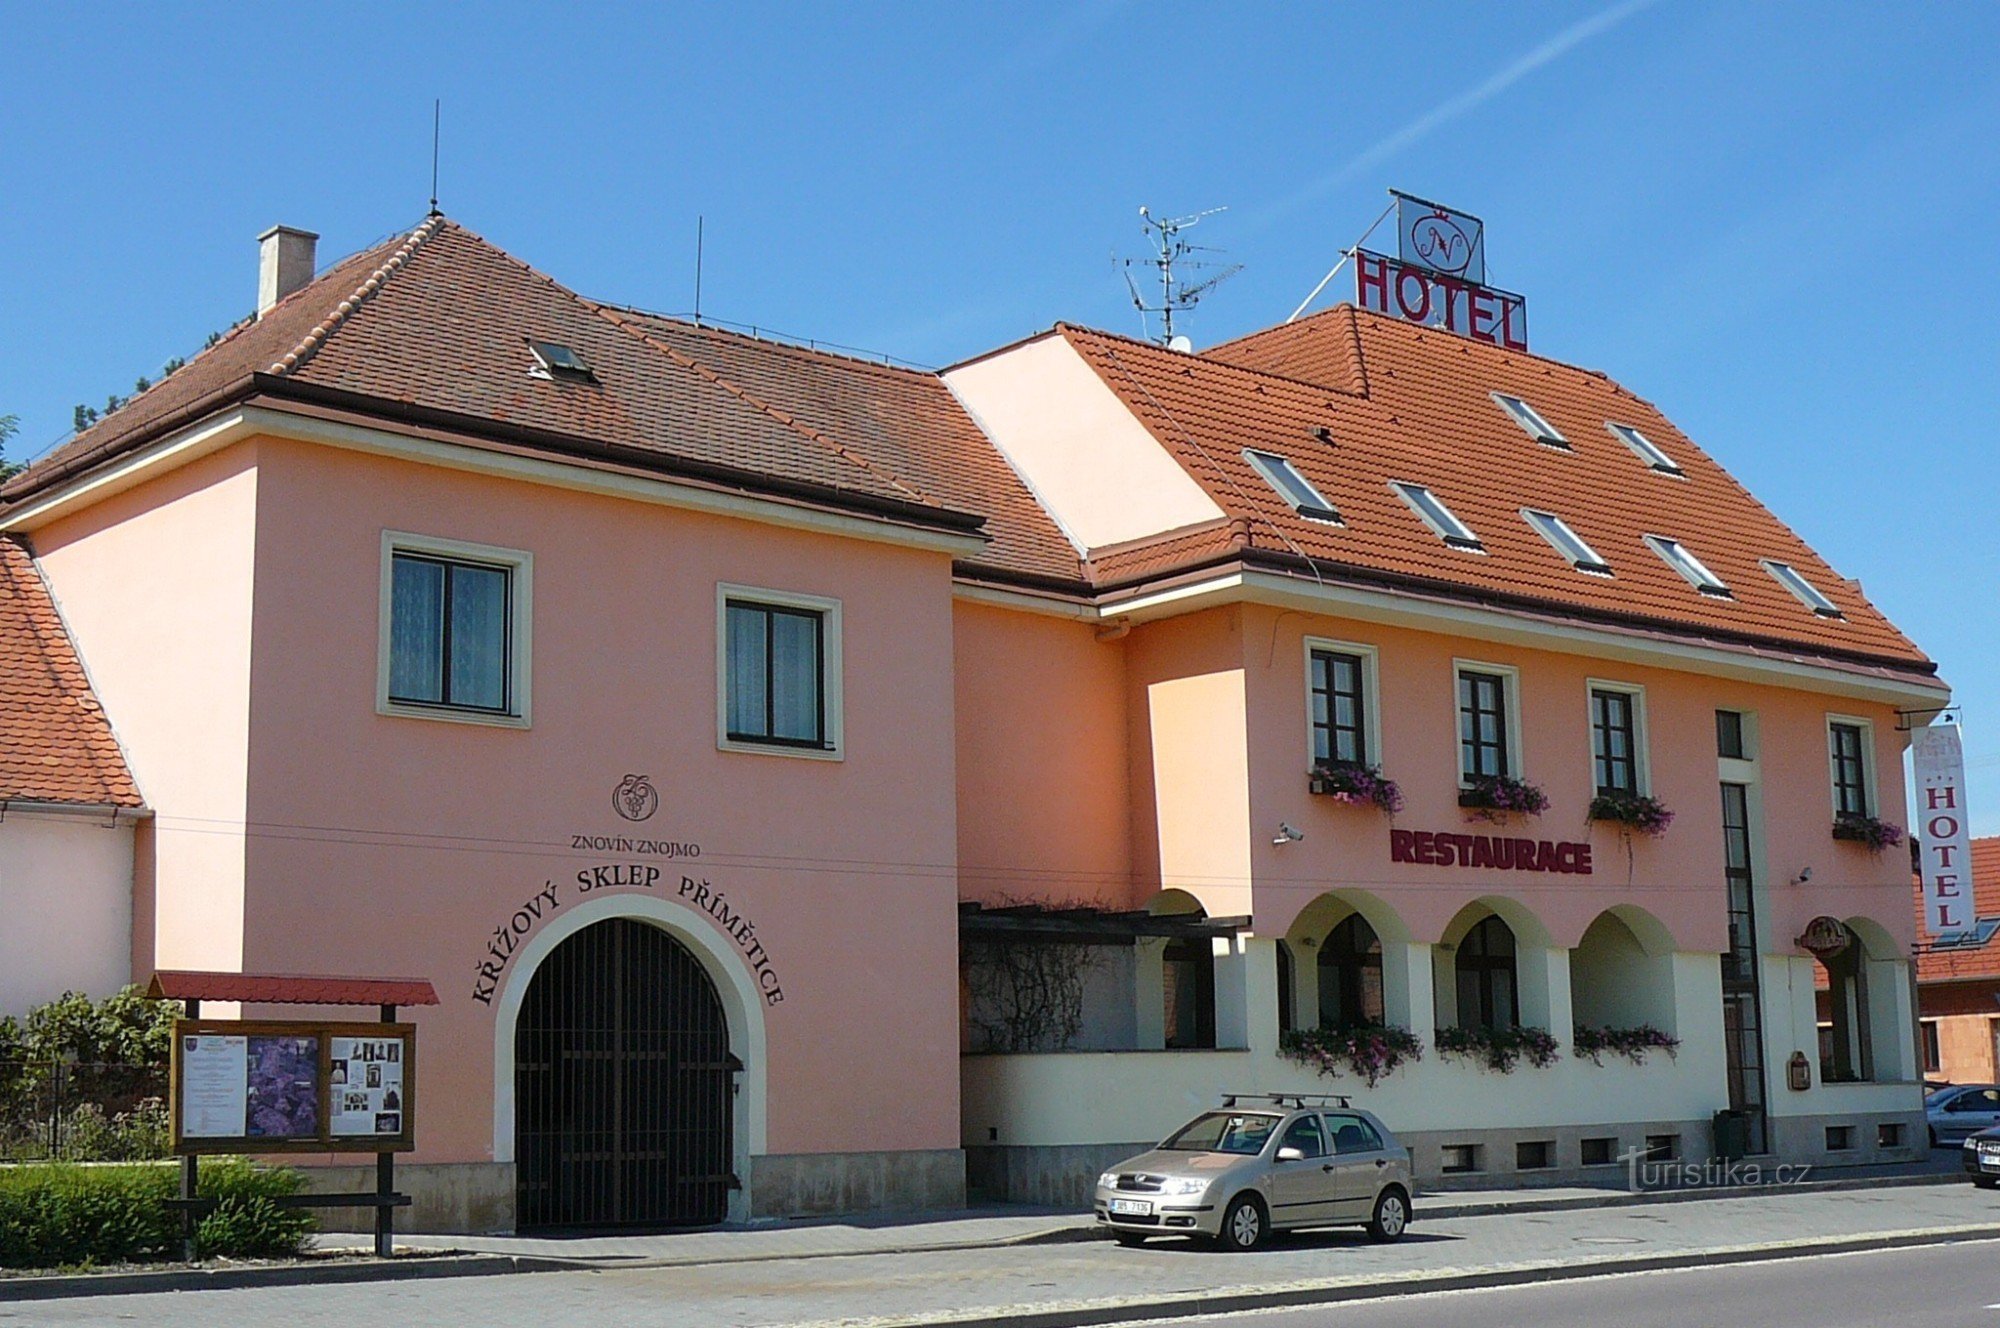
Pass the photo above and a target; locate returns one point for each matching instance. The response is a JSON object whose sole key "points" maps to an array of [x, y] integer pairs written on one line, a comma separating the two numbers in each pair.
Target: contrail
{"points": [[1549, 51]]}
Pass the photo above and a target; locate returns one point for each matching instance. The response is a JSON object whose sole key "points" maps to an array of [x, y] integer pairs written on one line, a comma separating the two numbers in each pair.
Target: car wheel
{"points": [[1244, 1224], [1392, 1216], [1129, 1239]]}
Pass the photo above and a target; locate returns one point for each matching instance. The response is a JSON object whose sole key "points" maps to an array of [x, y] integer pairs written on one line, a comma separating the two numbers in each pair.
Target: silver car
{"points": [[1261, 1164], [1961, 1110]]}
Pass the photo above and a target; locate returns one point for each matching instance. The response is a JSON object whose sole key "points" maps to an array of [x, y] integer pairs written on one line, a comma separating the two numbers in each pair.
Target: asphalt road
{"points": [[1941, 1286]]}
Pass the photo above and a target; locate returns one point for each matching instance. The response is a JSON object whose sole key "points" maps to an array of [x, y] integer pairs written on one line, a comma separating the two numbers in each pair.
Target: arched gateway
{"points": [[623, 1084]]}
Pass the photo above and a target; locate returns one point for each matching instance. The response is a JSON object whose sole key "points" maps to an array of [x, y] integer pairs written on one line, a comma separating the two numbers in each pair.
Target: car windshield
{"points": [[1224, 1132]]}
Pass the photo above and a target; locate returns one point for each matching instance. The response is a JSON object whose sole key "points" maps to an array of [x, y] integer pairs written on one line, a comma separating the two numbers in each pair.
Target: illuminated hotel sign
{"points": [[1438, 278]]}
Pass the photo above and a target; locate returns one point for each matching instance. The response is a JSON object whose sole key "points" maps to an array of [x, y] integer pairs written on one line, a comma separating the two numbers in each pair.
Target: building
{"points": [[670, 696], [68, 808], [1958, 988]]}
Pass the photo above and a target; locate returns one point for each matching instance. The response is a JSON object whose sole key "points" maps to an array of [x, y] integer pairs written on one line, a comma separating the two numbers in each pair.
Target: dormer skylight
{"points": [[555, 360], [1808, 593], [1676, 556], [1566, 541], [1531, 420], [1437, 516], [1643, 447], [1293, 487]]}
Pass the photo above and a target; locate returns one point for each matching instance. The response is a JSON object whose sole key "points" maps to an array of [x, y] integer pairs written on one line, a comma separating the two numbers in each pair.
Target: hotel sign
{"points": [[1946, 854], [1438, 277]]}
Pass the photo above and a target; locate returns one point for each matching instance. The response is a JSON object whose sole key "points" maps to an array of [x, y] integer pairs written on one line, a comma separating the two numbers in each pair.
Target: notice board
{"points": [[293, 1086]]}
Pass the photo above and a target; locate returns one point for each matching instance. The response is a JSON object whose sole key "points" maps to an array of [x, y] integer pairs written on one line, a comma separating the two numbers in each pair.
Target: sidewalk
{"points": [[1003, 1226]]}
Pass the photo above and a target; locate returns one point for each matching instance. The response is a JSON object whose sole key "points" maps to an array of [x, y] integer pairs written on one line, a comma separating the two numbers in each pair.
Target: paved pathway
{"points": [[941, 1285]]}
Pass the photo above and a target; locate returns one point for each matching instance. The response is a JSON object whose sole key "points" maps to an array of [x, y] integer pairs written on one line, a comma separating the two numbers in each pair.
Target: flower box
{"points": [[1368, 1052], [1634, 811], [1632, 1043], [1494, 796], [1500, 1049], [1355, 784], [1870, 831]]}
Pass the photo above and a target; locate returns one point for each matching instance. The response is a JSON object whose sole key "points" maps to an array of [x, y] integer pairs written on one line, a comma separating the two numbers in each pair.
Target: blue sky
{"points": [[1778, 221]]}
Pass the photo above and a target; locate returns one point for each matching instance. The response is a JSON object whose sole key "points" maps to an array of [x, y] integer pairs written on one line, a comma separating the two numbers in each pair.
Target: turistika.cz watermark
{"points": [[1645, 1172]]}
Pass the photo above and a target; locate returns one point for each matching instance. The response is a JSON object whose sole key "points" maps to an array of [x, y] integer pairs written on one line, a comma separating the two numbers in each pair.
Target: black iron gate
{"points": [[623, 1085]]}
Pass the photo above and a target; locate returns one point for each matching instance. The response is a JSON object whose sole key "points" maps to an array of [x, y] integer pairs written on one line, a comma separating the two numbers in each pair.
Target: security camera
{"points": [[1288, 834], [1805, 874]]}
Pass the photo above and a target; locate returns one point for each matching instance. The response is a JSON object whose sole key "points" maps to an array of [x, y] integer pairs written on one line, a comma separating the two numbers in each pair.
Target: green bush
{"points": [[57, 1214]]}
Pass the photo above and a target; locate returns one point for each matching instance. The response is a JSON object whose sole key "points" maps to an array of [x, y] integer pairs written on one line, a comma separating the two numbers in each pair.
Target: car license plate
{"points": [[1989, 1161], [1141, 1208]]}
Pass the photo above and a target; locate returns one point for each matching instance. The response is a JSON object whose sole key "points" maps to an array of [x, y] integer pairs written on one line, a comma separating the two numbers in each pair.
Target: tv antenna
{"points": [[1171, 260]]}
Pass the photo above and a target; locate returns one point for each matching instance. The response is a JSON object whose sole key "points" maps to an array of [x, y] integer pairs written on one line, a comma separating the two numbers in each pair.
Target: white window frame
{"points": [[1291, 485], [1642, 754], [1371, 693], [520, 565], [1531, 421], [832, 678], [1516, 757], [1593, 565], [1870, 788], [1808, 594], [1463, 538], [1644, 448], [1690, 568]]}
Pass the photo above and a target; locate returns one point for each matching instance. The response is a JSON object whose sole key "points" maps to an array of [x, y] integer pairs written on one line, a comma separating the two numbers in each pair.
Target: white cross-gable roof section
{"points": [[1100, 474]]}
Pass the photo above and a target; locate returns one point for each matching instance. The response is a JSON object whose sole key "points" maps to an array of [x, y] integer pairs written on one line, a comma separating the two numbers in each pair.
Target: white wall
{"points": [[65, 908]]}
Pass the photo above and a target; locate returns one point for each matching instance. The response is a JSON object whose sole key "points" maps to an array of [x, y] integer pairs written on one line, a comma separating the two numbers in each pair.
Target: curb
{"points": [[66, 1286], [1238, 1302]]}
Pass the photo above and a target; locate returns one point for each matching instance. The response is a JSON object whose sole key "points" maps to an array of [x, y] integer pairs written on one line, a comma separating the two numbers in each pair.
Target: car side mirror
{"points": [[1291, 1155]]}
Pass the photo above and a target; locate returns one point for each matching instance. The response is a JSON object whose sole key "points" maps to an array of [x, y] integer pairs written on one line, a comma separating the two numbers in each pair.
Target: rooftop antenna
{"points": [[700, 223], [1177, 294], [437, 122]]}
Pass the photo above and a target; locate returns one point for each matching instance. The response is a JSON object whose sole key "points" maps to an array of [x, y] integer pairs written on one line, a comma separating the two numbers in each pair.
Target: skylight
{"points": [[1531, 420], [1643, 447], [1566, 541], [1689, 566], [1293, 487], [554, 360], [1807, 592], [1436, 515]]}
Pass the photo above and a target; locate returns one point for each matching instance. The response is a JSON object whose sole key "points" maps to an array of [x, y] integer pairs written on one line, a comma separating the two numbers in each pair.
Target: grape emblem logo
{"points": [[635, 799]]}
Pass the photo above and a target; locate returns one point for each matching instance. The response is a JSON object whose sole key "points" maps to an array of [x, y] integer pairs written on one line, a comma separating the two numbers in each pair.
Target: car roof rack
{"points": [[1295, 1101]]}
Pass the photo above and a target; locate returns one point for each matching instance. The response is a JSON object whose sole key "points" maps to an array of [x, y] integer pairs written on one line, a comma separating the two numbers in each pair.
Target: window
{"points": [[1566, 542], [1189, 973], [1351, 1134], [1529, 419], [1643, 447], [1459, 1158], [1287, 988], [1487, 997], [554, 360], [1614, 739], [1350, 976], [1483, 747], [1534, 1154], [1730, 740], [1846, 1050], [1847, 749], [1340, 712], [1839, 1138], [1293, 487], [775, 673], [1305, 1135], [454, 621], [1437, 516], [1933, 1055], [1599, 1152], [1807, 593], [1677, 557]]}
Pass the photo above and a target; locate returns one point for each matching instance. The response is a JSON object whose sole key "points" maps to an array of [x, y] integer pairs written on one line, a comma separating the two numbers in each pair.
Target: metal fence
{"points": [[81, 1111]]}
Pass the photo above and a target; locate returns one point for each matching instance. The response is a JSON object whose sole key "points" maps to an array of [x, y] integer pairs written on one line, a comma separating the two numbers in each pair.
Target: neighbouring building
{"points": [[1958, 987], [816, 785], [67, 809]]}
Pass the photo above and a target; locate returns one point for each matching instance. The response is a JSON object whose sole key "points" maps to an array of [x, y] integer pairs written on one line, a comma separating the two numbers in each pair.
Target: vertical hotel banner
{"points": [[1946, 856]]}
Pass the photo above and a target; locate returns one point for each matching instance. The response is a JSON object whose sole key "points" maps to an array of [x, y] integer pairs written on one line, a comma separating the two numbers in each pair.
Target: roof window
{"points": [[1677, 557], [1531, 420], [1566, 541], [1293, 487], [1807, 592], [1643, 447], [1437, 516], [554, 360]]}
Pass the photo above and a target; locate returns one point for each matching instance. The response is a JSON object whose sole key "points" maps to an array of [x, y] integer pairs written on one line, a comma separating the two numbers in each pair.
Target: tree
{"points": [[9, 426]]}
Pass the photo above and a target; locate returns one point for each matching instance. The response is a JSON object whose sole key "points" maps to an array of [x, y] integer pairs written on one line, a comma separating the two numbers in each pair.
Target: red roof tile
{"points": [[55, 743], [1413, 404], [1955, 964], [288, 988]]}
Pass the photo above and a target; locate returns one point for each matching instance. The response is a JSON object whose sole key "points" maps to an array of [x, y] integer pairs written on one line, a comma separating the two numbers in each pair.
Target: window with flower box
{"points": [[1847, 754], [1486, 723]]}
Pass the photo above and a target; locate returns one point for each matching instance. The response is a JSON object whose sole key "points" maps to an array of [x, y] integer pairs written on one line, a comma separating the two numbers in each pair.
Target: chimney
{"points": [[285, 263]]}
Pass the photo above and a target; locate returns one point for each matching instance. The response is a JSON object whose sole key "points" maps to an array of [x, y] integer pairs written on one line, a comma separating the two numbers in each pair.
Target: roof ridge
{"points": [[620, 319], [310, 343]]}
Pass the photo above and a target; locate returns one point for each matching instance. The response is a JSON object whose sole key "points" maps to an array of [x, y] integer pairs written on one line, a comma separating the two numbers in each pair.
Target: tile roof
{"points": [[431, 325], [1984, 962], [175, 984], [55, 743], [1356, 400]]}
